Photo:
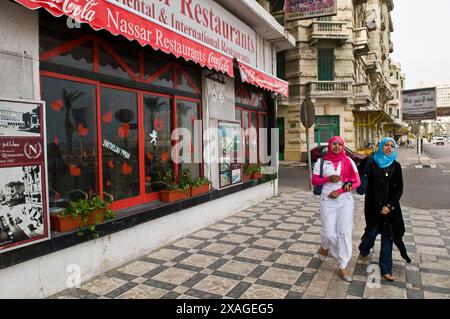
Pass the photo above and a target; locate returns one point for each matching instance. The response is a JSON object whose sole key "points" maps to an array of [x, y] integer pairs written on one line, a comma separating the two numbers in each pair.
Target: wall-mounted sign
{"points": [[419, 104], [306, 9], [443, 111], [23, 202], [230, 164]]}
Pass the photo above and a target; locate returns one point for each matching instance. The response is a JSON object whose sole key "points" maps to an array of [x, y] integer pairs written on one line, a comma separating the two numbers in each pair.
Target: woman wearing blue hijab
{"points": [[382, 207]]}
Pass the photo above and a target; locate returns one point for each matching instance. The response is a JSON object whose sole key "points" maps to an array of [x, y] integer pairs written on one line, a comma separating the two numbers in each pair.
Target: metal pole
{"points": [[419, 143], [307, 149]]}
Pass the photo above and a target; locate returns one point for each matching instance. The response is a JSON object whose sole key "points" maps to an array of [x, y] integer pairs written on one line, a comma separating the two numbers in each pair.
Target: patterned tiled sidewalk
{"points": [[270, 251]]}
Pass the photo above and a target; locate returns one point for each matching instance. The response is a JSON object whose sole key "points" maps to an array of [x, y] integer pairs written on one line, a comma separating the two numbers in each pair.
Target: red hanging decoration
{"points": [[82, 131], [126, 169], [158, 124], [124, 130], [56, 105], [107, 117], [74, 170]]}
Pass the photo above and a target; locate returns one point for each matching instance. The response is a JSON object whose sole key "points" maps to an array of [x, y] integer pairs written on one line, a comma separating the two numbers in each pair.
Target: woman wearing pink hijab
{"points": [[340, 177]]}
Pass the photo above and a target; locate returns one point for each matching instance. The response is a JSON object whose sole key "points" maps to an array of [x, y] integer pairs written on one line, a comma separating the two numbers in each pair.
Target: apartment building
{"points": [[342, 64]]}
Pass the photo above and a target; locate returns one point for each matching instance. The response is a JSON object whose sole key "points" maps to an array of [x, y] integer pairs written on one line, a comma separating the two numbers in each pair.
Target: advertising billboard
{"points": [[23, 203], [306, 9], [419, 104]]}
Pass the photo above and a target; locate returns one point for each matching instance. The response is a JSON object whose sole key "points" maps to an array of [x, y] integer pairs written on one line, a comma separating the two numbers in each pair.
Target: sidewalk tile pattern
{"points": [[270, 251]]}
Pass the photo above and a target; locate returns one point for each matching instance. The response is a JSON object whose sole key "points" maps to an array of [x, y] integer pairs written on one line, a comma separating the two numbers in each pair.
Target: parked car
{"points": [[438, 140], [320, 151]]}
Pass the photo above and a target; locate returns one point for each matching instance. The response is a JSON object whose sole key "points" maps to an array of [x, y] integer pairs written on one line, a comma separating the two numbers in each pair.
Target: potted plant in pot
{"points": [[81, 213], [248, 170], [256, 172], [199, 186], [175, 191]]}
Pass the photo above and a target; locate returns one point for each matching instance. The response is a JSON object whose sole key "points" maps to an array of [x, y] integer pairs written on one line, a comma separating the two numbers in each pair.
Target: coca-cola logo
{"points": [[220, 63], [80, 10]]}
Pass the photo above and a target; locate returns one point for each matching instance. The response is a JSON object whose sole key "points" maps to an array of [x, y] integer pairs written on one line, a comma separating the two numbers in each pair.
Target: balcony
{"points": [[362, 95], [329, 89], [372, 63], [328, 30], [361, 41]]}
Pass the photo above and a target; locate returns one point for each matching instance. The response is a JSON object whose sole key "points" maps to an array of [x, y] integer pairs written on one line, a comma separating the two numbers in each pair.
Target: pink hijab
{"points": [[347, 171]]}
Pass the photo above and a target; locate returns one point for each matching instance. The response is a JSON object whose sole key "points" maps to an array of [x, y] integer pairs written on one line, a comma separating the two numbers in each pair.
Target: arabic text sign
{"points": [[419, 104], [306, 9]]}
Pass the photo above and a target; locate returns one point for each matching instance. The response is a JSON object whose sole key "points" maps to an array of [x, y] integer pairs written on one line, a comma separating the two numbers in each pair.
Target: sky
{"points": [[421, 40]]}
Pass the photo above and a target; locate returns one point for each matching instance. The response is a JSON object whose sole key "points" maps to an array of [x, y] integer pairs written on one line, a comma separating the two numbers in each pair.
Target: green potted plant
{"points": [[248, 170], [81, 213], [199, 186], [175, 190], [256, 171]]}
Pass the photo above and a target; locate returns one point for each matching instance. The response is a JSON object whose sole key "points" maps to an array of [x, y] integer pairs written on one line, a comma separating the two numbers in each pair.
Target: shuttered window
{"points": [[325, 62]]}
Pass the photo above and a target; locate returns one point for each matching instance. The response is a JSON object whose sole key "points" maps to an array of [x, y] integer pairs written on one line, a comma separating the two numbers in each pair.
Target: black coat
{"points": [[385, 188]]}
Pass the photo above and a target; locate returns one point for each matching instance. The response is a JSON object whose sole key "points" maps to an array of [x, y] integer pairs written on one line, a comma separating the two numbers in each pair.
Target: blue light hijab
{"points": [[382, 159]]}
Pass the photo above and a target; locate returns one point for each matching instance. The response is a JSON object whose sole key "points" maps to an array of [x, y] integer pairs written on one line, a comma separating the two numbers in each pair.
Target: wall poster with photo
{"points": [[24, 216], [230, 153]]}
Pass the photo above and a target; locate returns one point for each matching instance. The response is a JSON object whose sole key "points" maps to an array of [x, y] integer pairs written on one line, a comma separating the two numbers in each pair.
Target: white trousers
{"points": [[337, 224]]}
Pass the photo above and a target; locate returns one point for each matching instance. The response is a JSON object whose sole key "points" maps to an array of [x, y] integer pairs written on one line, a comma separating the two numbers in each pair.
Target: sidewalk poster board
{"points": [[24, 216], [230, 164]]}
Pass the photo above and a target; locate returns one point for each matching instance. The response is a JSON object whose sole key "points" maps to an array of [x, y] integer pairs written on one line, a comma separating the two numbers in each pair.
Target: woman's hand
{"points": [[385, 210], [347, 187], [333, 195], [334, 178]]}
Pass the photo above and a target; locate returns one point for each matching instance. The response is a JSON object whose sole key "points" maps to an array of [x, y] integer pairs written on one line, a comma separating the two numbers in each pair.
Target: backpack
{"points": [[318, 189], [361, 189]]}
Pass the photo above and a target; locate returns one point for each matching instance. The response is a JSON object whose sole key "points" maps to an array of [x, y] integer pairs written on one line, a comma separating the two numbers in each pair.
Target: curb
{"points": [[419, 166]]}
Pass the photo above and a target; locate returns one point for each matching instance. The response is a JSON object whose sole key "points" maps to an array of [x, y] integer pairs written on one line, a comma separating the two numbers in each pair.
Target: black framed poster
{"points": [[230, 148], [24, 216]]}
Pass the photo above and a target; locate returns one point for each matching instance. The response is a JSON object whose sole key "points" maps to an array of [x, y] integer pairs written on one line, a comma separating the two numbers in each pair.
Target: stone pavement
{"points": [[270, 251], [408, 157]]}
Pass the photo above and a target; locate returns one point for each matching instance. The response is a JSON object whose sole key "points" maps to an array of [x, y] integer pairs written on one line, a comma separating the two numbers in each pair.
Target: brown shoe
{"points": [[345, 275], [323, 253], [389, 277], [364, 259]]}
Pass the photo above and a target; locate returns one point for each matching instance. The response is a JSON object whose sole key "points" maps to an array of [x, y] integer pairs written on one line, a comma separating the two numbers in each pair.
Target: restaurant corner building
{"points": [[113, 88]]}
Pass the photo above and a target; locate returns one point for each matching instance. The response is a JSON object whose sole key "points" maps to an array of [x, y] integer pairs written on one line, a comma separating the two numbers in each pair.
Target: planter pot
{"points": [[256, 175], [173, 196], [202, 189], [68, 223], [246, 177]]}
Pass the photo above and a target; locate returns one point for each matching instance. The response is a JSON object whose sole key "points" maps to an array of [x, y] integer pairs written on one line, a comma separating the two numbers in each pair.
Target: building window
{"points": [[325, 62], [281, 65]]}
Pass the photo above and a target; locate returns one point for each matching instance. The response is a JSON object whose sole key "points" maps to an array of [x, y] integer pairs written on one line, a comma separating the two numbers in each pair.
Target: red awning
{"points": [[118, 19], [262, 79]]}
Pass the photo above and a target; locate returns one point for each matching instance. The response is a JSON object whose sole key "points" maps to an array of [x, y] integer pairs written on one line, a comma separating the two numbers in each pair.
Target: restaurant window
{"points": [[251, 107], [109, 131], [158, 144], [187, 113], [71, 139], [120, 144]]}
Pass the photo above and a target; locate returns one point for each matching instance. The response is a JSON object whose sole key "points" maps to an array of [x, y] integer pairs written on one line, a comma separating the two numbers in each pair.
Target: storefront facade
{"points": [[111, 108]]}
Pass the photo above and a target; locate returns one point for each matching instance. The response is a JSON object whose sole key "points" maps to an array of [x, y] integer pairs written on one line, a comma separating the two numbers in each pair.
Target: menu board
{"points": [[23, 202], [230, 163]]}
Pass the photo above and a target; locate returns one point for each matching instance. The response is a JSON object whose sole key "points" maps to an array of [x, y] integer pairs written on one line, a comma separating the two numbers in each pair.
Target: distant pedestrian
{"points": [[382, 209], [340, 177]]}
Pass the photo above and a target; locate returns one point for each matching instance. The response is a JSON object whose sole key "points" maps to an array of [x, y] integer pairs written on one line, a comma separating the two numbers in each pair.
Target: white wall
{"points": [[19, 52], [47, 275]]}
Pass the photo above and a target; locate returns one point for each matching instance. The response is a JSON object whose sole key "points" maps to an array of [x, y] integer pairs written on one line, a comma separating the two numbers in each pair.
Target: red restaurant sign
{"points": [[117, 19], [263, 80]]}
